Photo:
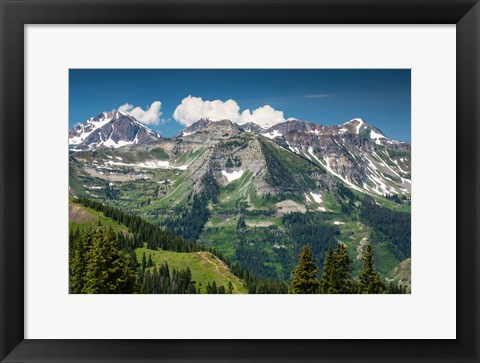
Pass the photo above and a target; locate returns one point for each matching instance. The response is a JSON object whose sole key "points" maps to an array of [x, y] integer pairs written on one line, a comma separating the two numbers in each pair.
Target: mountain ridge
{"points": [[112, 129], [355, 153]]}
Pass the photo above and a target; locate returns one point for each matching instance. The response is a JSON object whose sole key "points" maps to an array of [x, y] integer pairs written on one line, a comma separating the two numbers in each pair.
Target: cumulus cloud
{"points": [[151, 116], [125, 107], [194, 108], [265, 116]]}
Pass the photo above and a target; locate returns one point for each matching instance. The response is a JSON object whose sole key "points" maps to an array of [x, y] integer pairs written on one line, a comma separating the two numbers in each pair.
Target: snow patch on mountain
{"points": [[231, 176], [316, 197], [273, 134], [360, 123], [376, 136], [119, 143], [152, 164]]}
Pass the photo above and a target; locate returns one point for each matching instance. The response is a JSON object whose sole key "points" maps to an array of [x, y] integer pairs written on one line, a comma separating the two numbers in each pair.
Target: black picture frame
{"points": [[17, 13]]}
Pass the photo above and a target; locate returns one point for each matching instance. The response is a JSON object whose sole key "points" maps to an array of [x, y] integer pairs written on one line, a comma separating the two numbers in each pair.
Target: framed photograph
{"points": [[239, 181]]}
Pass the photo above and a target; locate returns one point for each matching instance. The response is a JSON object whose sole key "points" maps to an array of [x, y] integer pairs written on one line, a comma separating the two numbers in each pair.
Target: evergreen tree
{"points": [[108, 270], [304, 277], [214, 288], [370, 282], [328, 275], [144, 261], [342, 282], [392, 288], [241, 223], [133, 259], [229, 163], [78, 264]]}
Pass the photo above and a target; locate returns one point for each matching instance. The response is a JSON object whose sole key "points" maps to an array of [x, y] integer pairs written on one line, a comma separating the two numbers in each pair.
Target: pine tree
{"points": [[108, 270], [79, 263], [342, 282], [370, 282], [392, 288], [304, 277], [133, 259], [326, 282], [241, 223], [214, 288]]}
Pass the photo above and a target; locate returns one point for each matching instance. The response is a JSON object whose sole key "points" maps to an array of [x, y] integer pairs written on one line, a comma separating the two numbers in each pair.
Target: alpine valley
{"points": [[244, 198]]}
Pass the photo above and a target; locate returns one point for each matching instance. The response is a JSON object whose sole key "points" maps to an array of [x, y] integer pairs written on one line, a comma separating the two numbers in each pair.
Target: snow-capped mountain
{"points": [[355, 152], [112, 129], [356, 126]]}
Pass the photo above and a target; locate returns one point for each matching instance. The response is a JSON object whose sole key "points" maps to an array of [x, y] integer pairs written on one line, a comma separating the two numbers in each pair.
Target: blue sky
{"points": [[322, 96]]}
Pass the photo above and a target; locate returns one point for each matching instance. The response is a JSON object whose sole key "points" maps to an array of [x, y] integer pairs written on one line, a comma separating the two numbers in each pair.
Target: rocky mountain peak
{"points": [[110, 129]]}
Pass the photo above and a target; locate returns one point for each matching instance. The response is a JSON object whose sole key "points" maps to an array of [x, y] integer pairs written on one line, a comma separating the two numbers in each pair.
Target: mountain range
{"points": [[356, 153], [236, 187]]}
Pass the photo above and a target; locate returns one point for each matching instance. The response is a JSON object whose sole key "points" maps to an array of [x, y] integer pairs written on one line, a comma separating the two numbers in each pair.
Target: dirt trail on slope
{"points": [[204, 255], [360, 247]]}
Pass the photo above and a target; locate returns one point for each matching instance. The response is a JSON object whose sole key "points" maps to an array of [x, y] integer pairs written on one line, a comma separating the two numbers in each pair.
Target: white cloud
{"points": [[265, 116], [151, 116], [193, 109], [125, 107]]}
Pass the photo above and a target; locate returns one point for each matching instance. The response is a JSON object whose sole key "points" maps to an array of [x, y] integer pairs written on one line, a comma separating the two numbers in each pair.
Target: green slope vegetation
{"points": [[204, 266], [82, 218], [286, 169]]}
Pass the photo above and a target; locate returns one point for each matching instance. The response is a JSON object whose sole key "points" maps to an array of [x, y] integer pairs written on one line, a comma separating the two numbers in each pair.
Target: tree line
{"points": [[394, 226], [162, 281], [337, 275]]}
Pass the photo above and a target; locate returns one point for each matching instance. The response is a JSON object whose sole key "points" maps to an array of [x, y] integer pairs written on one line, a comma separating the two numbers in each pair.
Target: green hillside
{"points": [[205, 267], [81, 217]]}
